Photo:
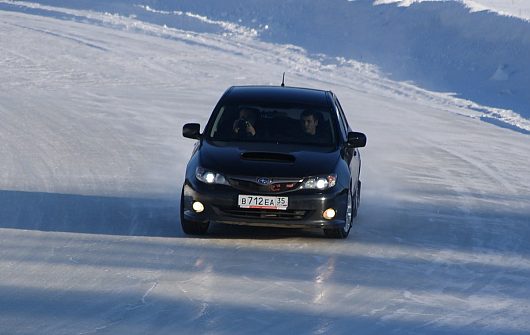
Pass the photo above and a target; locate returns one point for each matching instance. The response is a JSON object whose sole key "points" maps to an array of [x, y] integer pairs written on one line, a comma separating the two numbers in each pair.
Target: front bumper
{"points": [[304, 211]]}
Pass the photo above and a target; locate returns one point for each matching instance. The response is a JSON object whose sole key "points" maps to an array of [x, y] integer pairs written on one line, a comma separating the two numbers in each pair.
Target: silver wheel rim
{"points": [[357, 199]]}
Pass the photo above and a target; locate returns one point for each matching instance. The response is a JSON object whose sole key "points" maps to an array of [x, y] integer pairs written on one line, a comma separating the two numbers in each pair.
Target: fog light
{"points": [[329, 214], [198, 206]]}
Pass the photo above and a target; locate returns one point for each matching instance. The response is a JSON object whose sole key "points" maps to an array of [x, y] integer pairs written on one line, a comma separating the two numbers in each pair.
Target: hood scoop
{"points": [[268, 157]]}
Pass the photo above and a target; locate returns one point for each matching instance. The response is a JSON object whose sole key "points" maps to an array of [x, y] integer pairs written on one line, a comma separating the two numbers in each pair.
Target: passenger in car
{"points": [[309, 121], [311, 131]]}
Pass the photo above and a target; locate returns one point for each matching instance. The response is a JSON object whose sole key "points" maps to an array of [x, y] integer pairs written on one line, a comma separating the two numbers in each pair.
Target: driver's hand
{"points": [[250, 129], [235, 127]]}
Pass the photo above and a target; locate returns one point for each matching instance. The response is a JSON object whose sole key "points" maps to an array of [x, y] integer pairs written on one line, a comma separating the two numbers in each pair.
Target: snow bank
{"points": [[445, 46], [442, 46], [515, 8]]}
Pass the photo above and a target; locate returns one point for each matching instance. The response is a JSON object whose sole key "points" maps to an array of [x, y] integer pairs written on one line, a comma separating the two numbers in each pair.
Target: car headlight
{"points": [[320, 182], [210, 177]]}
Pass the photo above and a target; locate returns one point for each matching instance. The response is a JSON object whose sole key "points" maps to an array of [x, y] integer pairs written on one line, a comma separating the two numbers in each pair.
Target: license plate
{"points": [[262, 202]]}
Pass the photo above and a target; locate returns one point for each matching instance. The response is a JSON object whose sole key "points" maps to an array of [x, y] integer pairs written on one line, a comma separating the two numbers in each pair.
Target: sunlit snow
{"points": [[93, 96]]}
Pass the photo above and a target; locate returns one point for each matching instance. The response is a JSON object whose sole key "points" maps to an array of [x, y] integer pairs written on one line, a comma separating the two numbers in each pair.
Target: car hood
{"points": [[267, 159]]}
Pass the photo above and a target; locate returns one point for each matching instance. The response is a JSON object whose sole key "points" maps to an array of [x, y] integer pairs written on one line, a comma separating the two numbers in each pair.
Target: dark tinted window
{"points": [[286, 123]]}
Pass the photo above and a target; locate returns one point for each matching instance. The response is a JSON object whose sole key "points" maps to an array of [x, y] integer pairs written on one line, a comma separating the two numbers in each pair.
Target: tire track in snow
{"points": [[68, 37]]}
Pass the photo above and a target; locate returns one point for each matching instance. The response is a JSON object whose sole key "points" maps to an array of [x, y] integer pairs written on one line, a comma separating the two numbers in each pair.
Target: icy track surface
{"points": [[92, 163]]}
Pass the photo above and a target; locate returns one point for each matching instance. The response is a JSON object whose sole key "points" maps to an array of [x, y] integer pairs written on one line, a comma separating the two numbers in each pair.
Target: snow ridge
{"points": [[512, 8], [467, 55], [231, 28]]}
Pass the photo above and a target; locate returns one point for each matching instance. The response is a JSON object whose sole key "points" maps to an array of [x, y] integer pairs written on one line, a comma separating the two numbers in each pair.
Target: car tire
{"points": [[357, 199], [343, 232], [191, 227]]}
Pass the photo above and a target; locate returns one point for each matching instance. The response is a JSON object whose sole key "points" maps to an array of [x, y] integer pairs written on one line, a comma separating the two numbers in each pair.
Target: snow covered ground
{"points": [[92, 104], [443, 46]]}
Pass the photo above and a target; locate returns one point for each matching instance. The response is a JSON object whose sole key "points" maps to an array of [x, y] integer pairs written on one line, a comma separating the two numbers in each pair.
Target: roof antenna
{"points": [[283, 80]]}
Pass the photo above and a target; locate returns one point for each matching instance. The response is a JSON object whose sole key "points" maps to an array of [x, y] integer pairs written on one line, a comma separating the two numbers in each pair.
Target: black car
{"points": [[273, 156]]}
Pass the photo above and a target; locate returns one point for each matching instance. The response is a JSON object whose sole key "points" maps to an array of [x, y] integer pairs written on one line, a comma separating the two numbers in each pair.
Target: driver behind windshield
{"points": [[245, 125]]}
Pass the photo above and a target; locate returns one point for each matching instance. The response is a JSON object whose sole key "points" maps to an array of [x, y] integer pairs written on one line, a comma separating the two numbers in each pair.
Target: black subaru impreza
{"points": [[273, 156]]}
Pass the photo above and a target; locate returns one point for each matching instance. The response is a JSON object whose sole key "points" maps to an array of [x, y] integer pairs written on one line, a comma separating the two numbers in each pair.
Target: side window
{"points": [[216, 124], [345, 120], [342, 121]]}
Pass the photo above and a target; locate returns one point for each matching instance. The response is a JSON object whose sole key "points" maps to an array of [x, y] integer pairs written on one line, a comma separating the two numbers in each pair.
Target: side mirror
{"points": [[356, 140], [192, 130]]}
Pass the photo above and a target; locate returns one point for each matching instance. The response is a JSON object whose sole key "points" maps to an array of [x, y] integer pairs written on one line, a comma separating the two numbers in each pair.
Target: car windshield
{"points": [[286, 123]]}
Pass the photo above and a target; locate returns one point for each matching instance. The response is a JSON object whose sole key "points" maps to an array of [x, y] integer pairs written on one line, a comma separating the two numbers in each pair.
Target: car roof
{"points": [[278, 94]]}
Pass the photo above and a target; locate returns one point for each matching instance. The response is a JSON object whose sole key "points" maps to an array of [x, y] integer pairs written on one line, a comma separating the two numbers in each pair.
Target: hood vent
{"points": [[268, 156]]}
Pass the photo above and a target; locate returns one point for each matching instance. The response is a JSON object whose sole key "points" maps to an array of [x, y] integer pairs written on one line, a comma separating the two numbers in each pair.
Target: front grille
{"points": [[265, 214], [247, 184]]}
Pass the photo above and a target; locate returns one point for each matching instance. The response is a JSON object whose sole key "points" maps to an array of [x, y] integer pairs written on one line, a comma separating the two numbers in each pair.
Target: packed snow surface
{"points": [[93, 96]]}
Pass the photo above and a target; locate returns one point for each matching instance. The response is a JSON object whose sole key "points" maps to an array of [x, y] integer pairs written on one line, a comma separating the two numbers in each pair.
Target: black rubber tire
{"points": [[357, 200], [343, 232], [191, 227], [194, 228], [337, 233]]}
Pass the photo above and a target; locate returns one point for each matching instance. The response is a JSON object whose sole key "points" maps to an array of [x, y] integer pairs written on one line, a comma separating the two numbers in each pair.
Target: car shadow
{"points": [[225, 231], [89, 214], [128, 216]]}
